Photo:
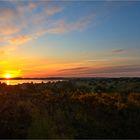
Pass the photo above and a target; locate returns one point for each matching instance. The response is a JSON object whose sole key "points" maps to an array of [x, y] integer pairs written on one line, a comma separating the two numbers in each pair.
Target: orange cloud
{"points": [[8, 30], [24, 18], [19, 40]]}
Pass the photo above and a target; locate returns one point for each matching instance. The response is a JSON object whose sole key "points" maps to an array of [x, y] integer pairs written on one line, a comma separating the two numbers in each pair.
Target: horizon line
{"points": [[16, 78]]}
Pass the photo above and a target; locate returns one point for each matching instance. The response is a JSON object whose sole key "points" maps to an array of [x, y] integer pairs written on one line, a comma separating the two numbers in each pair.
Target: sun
{"points": [[8, 75]]}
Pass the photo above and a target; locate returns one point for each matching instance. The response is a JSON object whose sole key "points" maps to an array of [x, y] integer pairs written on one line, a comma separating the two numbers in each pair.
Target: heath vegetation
{"points": [[77, 108]]}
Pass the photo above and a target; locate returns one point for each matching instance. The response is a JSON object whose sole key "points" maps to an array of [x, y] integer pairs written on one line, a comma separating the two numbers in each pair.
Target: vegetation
{"points": [[77, 108]]}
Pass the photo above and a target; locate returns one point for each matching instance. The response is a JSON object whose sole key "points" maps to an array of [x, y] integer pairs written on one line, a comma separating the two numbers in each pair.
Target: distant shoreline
{"points": [[68, 78]]}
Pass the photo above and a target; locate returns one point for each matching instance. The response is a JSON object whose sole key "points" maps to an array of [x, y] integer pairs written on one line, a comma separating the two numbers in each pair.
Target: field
{"points": [[76, 108]]}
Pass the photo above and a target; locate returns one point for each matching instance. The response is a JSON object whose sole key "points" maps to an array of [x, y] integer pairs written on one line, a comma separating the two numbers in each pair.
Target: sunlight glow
{"points": [[8, 75], [8, 82]]}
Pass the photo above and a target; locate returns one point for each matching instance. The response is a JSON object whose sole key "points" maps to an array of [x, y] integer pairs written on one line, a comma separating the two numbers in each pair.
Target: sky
{"points": [[69, 38]]}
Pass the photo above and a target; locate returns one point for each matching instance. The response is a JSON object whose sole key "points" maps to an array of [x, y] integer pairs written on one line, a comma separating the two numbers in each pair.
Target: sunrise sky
{"points": [[69, 38]]}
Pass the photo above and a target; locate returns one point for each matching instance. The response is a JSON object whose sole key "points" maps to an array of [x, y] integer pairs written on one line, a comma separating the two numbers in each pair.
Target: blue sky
{"points": [[70, 38]]}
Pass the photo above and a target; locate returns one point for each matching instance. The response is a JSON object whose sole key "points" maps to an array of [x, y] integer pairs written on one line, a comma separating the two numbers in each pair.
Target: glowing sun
{"points": [[7, 75]]}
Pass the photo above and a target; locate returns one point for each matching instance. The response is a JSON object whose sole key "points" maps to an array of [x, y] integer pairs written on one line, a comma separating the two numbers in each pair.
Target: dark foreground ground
{"points": [[78, 108]]}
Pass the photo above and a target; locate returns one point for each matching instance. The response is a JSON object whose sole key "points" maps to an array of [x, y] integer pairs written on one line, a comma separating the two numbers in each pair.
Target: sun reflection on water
{"points": [[16, 82], [8, 82]]}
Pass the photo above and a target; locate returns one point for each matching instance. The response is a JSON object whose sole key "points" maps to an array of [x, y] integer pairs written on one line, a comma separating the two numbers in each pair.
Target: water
{"points": [[15, 82]]}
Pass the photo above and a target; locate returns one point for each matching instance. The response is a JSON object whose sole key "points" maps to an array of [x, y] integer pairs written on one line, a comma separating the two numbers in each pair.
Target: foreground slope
{"points": [[78, 108]]}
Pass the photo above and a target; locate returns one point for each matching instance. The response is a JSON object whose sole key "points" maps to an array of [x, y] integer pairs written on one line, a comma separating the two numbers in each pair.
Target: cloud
{"points": [[75, 69], [53, 10], [7, 14], [22, 8], [8, 30], [19, 40], [118, 50], [62, 26], [123, 68], [119, 70], [97, 60], [22, 21]]}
